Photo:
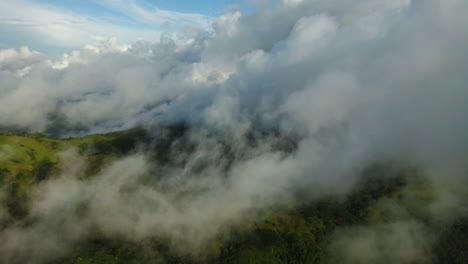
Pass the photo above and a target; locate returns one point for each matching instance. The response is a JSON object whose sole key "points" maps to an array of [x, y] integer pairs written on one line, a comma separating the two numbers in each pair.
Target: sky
{"points": [[56, 26]]}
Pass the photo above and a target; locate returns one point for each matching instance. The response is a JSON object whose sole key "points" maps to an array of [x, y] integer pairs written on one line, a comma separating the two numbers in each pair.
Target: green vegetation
{"points": [[299, 235], [25, 160], [24, 153]]}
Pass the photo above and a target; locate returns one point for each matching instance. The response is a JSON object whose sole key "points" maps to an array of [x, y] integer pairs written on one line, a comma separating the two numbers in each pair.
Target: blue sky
{"points": [[96, 7], [55, 26]]}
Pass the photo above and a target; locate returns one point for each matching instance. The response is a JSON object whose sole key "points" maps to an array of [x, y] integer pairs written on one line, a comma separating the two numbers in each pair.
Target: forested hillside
{"points": [[385, 218]]}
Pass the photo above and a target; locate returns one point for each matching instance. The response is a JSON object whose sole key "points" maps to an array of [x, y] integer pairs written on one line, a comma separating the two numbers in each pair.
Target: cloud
{"points": [[393, 61], [50, 28], [129, 199], [381, 84], [155, 16], [354, 82]]}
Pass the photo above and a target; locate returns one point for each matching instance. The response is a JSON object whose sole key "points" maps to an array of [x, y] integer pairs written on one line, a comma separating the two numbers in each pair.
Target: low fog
{"points": [[356, 82]]}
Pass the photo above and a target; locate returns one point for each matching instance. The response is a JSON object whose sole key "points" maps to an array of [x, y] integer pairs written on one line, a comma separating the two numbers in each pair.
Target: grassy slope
{"points": [[22, 153], [281, 236], [26, 160]]}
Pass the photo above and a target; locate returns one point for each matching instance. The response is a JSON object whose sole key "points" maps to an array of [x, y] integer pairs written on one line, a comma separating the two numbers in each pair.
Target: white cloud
{"points": [[49, 27], [356, 81], [155, 16]]}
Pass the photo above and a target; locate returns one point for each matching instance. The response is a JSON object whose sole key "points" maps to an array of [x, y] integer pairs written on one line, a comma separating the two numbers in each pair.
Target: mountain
{"points": [[384, 218]]}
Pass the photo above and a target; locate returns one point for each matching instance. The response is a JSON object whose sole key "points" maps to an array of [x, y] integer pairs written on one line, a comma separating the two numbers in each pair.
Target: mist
{"points": [[354, 82]]}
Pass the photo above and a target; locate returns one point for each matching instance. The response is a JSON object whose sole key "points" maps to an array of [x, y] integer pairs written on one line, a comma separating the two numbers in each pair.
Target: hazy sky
{"points": [[55, 26]]}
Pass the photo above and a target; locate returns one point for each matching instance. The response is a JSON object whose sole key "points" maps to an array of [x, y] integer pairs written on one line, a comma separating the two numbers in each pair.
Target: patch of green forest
{"points": [[387, 194]]}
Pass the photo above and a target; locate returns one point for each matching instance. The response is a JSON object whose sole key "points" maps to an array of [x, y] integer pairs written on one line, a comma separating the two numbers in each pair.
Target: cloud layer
{"points": [[357, 82], [390, 72]]}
